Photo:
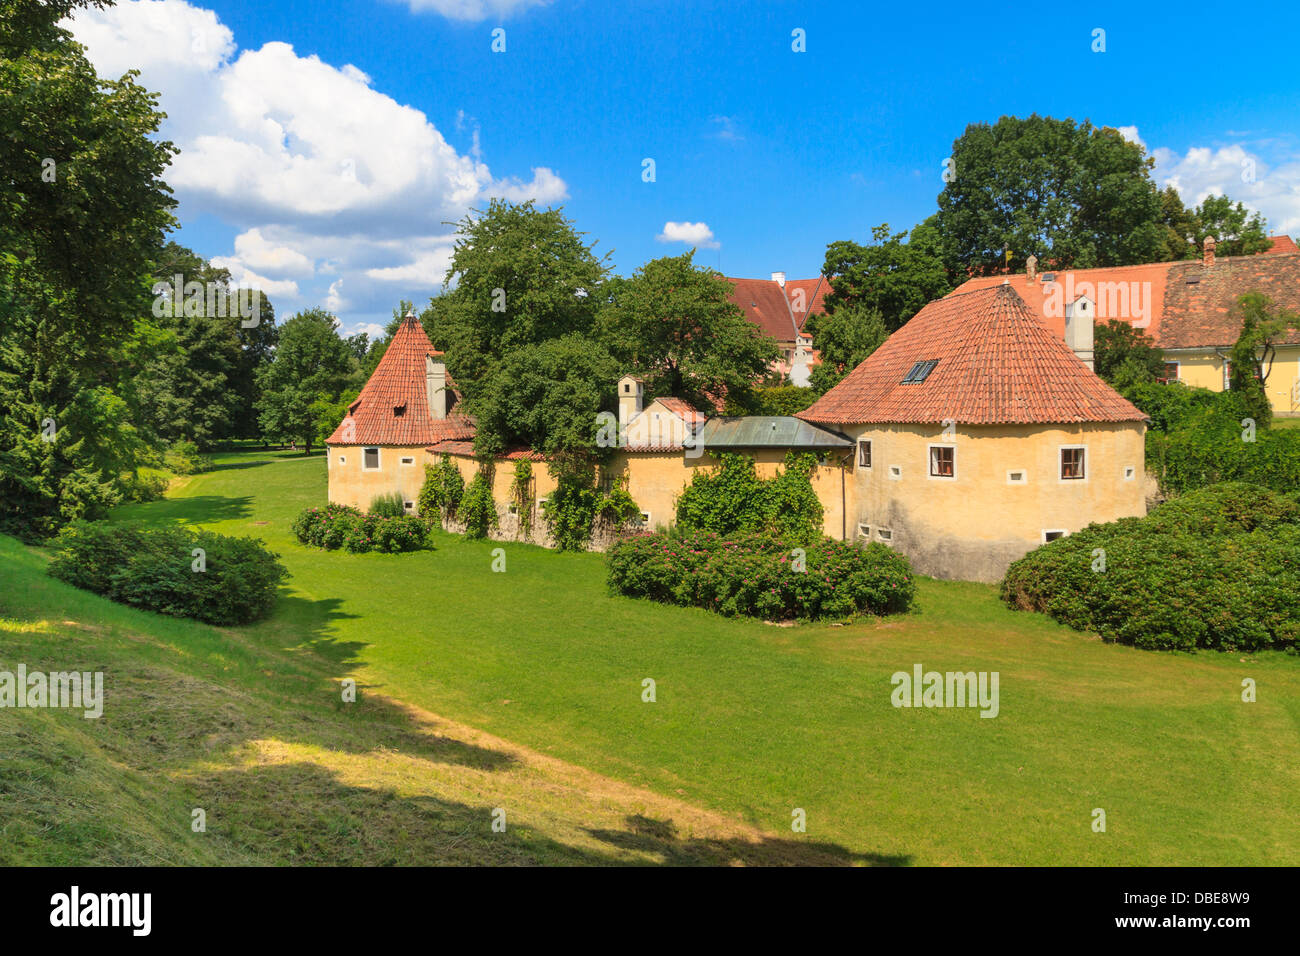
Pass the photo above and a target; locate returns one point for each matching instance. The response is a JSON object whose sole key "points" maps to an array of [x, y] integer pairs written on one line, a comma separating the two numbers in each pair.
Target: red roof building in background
{"points": [[780, 307]]}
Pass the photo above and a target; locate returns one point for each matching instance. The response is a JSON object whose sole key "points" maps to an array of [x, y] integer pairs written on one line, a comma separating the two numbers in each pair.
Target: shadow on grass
{"points": [[660, 839], [302, 813], [200, 509]]}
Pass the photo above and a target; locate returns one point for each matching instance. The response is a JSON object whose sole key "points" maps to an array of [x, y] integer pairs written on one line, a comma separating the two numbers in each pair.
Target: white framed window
{"points": [[408, 505], [370, 459], [1073, 463], [896, 472], [408, 461], [943, 461], [885, 535], [864, 531], [1017, 476], [1171, 371], [343, 459], [645, 518], [864, 453], [1051, 534], [1227, 375], [1130, 472]]}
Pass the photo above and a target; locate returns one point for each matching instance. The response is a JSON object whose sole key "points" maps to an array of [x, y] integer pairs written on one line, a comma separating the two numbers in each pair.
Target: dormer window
{"points": [[399, 410]]}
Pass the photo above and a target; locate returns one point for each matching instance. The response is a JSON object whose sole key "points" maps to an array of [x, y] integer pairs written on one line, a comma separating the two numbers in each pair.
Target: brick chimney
{"points": [[1208, 259], [779, 278], [1031, 268]]}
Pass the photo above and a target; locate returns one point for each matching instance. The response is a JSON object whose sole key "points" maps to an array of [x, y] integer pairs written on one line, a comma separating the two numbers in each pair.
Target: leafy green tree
{"points": [[890, 276], [1263, 326], [1237, 232], [311, 364], [1125, 356], [82, 211], [547, 397], [1072, 194], [844, 339], [519, 277], [674, 324]]}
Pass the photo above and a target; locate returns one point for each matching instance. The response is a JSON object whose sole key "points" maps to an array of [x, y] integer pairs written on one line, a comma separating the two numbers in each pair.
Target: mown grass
{"points": [[753, 721]]}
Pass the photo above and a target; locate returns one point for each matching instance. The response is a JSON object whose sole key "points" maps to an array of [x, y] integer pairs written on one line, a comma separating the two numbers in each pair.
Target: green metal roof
{"points": [[768, 431]]}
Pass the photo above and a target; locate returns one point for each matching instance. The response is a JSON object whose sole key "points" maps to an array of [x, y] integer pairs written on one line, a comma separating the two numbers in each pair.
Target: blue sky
{"points": [[325, 145]]}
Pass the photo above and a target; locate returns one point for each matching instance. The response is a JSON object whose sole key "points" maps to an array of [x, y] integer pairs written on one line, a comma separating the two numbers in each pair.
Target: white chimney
{"points": [[435, 383], [630, 394], [1079, 317], [779, 278]]}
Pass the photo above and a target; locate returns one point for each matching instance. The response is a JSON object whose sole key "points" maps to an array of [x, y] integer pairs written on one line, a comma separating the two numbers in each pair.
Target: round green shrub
{"points": [[757, 574], [235, 581], [1218, 568]]}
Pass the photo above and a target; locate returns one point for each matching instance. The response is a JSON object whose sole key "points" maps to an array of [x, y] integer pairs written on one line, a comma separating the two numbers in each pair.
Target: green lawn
{"points": [[753, 721]]}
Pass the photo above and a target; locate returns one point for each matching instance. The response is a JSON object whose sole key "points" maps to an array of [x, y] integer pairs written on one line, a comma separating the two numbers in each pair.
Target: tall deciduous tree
{"points": [[519, 276], [308, 373], [890, 276], [82, 212], [674, 324], [1072, 194], [1263, 326]]}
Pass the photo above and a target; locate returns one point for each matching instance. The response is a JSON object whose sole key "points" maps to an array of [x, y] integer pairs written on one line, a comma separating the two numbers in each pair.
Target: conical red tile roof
{"points": [[393, 408], [997, 365]]}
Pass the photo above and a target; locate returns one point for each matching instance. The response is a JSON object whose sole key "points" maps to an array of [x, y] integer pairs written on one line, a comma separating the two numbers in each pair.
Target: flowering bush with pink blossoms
{"points": [[761, 575]]}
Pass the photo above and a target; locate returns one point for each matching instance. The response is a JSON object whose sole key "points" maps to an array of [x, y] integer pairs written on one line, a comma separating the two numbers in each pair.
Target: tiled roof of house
{"points": [[683, 410], [1188, 304], [1282, 244], [770, 308], [465, 449], [1200, 304], [996, 364], [1041, 294], [393, 407]]}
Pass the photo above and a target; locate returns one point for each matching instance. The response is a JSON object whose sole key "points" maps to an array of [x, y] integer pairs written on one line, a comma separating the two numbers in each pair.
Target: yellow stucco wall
{"points": [[656, 480], [350, 484], [1204, 369], [973, 525]]}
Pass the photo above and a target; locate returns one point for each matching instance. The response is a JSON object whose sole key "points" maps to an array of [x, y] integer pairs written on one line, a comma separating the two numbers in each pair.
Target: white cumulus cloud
{"points": [[323, 174], [691, 233]]}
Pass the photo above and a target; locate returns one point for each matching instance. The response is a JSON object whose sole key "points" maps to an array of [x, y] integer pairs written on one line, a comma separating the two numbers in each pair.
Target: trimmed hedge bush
{"points": [[1218, 568], [234, 582], [338, 526], [755, 575]]}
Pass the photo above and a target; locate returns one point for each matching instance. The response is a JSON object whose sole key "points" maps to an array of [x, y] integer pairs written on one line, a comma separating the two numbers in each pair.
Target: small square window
{"points": [[370, 461], [864, 531], [943, 461], [864, 453], [408, 505], [645, 518], [1016, 477], [885, 534], [1052, 535], [1072, 463], [1171, 371], [896, 472], [1129, 473], [343, 459], [408, 461]]}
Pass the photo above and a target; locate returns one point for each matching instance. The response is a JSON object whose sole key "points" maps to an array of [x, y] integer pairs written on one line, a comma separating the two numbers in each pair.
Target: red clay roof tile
{"points": [[997, 364]]}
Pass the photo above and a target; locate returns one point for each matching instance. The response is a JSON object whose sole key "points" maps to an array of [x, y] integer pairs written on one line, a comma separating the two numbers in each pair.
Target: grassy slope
{"points": [[259, 738], [753, 720]]}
